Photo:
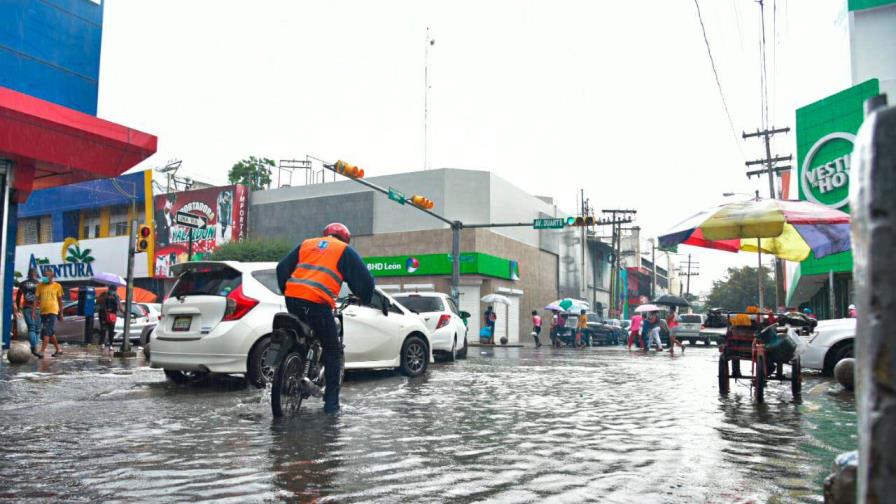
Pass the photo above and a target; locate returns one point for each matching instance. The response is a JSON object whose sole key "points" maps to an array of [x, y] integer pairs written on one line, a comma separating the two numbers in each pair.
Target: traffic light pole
{"points": [[126, 336]]}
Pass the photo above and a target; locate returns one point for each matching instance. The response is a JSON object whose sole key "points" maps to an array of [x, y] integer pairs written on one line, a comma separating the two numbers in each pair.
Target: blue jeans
{"points": [[32, 319]]}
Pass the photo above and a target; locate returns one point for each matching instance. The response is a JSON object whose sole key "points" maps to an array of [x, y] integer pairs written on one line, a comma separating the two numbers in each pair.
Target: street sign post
{"points": [[548, 223], [397, 196], [192, 222]]}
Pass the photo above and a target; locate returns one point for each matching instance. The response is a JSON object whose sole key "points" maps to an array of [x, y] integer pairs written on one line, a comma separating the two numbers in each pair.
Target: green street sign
{"points": [[397, 196], [548, 223]]}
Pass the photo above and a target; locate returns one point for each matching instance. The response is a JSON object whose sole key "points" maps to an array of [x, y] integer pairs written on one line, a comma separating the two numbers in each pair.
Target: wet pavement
{"points": [[507, 425]]}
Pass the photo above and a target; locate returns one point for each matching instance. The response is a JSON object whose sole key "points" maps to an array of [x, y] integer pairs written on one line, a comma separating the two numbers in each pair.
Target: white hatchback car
{"points": [[442, 318], [218, 319]]}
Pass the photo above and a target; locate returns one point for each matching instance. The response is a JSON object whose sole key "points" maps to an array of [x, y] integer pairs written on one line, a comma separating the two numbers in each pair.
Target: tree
{"points": [[252, 250], [253, 172], [739, 289]]}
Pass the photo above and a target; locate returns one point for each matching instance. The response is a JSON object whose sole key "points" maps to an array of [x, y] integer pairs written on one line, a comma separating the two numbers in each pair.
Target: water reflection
{"points": [[507, 425]]}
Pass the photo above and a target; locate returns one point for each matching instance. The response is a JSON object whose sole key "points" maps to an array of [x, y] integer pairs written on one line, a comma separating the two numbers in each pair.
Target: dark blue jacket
{"points": [[353, 270]]}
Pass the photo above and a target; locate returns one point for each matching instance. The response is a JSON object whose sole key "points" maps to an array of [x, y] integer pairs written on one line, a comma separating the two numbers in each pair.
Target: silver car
{"points": [[689, 328]]}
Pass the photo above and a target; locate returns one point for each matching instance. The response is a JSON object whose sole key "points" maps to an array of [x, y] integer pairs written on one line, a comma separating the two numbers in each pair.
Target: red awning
{"points": [[51, 145]]}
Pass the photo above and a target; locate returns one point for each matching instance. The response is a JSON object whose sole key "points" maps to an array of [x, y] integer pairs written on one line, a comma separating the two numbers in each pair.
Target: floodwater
{"points": [[507, 425]]}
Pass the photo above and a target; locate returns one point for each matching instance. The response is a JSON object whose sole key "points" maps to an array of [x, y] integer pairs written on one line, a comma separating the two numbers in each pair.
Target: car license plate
{"points": [[182, 323]]}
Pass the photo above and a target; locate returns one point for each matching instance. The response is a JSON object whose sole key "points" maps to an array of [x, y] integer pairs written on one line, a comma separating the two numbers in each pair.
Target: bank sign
{"points": [[471, 263], [825, 135]]}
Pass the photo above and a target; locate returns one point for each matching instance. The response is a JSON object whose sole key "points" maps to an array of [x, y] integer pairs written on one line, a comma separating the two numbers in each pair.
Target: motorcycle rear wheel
{"points": [[286, 389]]}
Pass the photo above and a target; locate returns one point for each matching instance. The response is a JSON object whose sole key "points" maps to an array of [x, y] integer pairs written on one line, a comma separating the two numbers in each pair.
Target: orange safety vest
{"points": [[316, 277]]}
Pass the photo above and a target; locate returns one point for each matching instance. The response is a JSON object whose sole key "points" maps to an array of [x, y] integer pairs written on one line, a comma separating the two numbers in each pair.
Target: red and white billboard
{"points": [[210, 217]]}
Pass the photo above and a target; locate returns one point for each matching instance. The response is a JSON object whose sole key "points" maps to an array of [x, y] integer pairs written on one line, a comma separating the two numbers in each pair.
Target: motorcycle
{"points": [[300, 369]]}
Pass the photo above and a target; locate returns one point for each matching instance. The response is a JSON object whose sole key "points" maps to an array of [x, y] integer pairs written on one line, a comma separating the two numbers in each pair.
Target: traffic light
{"points": [[421, 202], [348, 169], [144, 234], [580, 221]]}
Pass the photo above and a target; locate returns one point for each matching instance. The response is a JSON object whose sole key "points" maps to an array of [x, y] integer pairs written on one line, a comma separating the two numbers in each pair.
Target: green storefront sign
{"points": [[855, 5], [825, 132], [471, 263]]}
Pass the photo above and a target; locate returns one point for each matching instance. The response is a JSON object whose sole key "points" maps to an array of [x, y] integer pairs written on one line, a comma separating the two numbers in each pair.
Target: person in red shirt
{"points": [[672, 322], [635, 332]]}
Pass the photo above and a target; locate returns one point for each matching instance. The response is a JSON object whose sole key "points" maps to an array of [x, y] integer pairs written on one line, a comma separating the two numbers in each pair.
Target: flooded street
{"points": [[509, 425]]}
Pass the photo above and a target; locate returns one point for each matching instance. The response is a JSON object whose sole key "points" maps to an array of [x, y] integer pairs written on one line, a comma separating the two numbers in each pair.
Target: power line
{"points": [[718, 82]]}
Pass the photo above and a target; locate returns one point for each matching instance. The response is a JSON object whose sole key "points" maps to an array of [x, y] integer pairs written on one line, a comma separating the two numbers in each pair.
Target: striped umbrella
{"points": [[786, 229]]}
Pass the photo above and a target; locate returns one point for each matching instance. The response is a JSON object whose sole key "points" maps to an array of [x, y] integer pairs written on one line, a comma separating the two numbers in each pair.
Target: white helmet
{"points": [[852, 307]]}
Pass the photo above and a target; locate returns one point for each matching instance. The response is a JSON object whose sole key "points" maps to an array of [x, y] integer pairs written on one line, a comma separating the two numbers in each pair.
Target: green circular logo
{"points": [[825, 174]]}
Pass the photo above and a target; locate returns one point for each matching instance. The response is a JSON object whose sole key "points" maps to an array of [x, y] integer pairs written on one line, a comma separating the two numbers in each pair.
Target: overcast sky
{"points": [[617, 98]]}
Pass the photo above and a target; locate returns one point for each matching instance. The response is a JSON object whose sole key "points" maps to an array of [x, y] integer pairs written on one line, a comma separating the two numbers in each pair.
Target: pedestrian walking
{"points": [[536, 327], [27, 304], [635, 332], [581, 325], [672, 322], [49, 295], [108, 314], [490, 318], [555, 328], [652, 329]]}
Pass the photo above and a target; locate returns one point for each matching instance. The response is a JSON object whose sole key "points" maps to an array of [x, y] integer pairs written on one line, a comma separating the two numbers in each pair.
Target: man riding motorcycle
{"points": [[310, 278]]}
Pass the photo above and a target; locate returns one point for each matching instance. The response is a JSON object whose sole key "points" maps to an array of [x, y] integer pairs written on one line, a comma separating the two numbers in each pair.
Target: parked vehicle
{"points": [[715, 325], [689, 328], [598, 332], [832, 341], [219, 319], [442, 318], [153, 311], [618, 329], [71, 327]]}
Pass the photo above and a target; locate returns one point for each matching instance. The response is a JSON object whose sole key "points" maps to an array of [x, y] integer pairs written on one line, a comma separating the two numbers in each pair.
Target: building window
{"points": [[91, 220], [118, 221], [33, 230]]}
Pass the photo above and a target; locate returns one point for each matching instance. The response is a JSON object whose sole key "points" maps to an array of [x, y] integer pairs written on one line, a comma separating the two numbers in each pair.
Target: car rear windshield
{"points": [[421, 304], [207, 282], [690, 319]]}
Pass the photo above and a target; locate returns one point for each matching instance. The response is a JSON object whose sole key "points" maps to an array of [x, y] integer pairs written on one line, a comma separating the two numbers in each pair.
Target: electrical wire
{"points": [[718, 82], [763, 59]]}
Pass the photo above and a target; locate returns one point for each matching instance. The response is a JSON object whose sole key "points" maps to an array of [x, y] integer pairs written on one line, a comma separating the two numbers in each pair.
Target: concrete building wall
{"points": [[872, 47], [295, 220]]}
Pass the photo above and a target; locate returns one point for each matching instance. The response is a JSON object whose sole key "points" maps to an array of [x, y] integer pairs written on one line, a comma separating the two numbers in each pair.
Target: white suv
{"points": [[442, 318], [219, 316]]}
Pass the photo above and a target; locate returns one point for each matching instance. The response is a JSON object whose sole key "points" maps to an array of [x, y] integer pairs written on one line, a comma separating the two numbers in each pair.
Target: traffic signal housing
{"points": [[144, 235], [421, 202], [580, 221], [348, 169]]}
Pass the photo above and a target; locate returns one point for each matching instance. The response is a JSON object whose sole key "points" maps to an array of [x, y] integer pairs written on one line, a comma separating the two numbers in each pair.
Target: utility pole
{"points": [[583, 211], [772, 171], [626, 216]]}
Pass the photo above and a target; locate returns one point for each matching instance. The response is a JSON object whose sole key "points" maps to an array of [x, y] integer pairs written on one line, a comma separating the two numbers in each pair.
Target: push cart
{"points": [[768, 344]]}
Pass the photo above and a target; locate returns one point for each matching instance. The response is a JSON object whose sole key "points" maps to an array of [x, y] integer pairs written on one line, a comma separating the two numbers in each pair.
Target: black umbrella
{"points": [[670, 300]]}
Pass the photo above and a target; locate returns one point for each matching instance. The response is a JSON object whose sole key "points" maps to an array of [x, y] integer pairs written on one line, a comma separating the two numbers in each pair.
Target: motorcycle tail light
{"points": [[443, 321], [238, 304]]}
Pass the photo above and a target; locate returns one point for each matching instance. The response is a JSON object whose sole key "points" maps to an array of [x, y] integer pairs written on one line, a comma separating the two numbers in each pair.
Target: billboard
{"points": [[189, 225], [79, 260], [475, 263]]}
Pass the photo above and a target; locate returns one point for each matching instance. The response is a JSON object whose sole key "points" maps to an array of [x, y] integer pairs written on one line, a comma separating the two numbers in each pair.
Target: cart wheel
{"points": [[760, 378], [796, 378], [723, 375]]}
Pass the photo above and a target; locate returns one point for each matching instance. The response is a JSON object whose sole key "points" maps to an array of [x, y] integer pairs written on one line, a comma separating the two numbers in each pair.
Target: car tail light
{"points": [[443, 321], [702, 327], [238, 304]]}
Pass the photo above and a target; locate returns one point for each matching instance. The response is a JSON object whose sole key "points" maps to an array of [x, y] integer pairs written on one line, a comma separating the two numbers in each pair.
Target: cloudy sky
{"points": [[617, 98]]}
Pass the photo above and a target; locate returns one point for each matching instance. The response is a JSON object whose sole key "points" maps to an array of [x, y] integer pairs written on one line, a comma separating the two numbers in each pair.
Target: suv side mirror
{"points": [[385, 307]]}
